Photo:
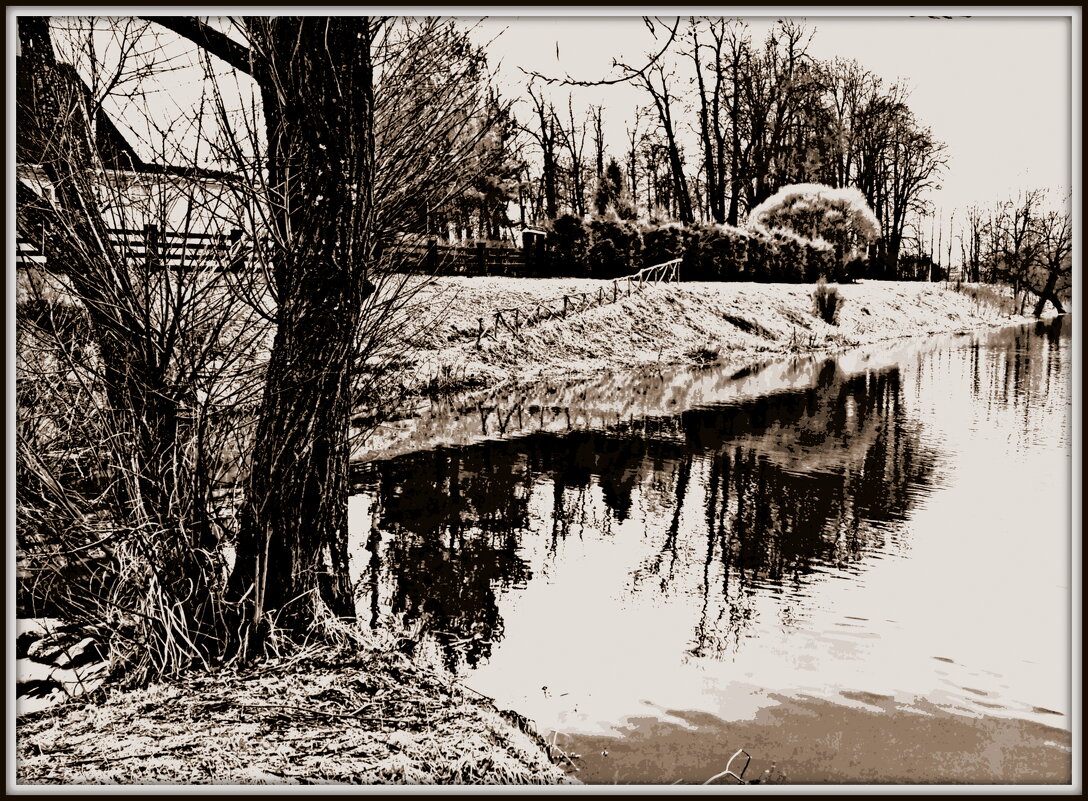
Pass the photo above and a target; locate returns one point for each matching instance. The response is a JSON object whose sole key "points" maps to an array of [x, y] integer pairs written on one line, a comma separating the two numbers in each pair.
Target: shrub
{"points": [[570, 242], [822, 262], [728, 248], [616, 247], [694, 267], [792, 256], [764, 263], [714, 252], [662, 243], [840, 216], [827, 302]]}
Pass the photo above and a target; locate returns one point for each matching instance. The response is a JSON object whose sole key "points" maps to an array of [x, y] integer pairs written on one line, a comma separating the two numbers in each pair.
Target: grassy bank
{"points": [[319, 717], [677, 324]]}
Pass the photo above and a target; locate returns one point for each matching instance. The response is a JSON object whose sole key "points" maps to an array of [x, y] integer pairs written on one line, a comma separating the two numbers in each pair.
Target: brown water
{"points": [[857, 568]]}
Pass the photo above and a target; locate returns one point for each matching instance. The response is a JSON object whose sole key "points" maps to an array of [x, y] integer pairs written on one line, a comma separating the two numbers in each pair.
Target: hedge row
{"points": [[608, 247]]}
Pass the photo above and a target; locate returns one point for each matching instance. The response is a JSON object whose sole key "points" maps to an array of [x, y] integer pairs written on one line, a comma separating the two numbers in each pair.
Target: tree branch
{"points": [[207, 37], [632, 74]]}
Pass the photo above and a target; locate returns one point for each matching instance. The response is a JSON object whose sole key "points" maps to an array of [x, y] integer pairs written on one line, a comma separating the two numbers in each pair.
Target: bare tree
{"points": [[545, 136], [573, 139], [337, 98], [158, 362], [1054, 265], [340, 96], [971, 248]]}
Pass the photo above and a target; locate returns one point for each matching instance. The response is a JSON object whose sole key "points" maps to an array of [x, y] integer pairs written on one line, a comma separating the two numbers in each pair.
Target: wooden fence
{"points": [[152, 247], [514, 319], [433, 258]]}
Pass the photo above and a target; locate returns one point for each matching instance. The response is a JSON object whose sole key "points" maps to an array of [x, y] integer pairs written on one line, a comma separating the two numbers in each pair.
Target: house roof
{"points": [[113, 147]]}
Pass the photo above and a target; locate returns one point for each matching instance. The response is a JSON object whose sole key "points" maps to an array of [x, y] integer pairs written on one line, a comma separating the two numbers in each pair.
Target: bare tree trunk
{"points": [[316, 81], [1048, 293]]}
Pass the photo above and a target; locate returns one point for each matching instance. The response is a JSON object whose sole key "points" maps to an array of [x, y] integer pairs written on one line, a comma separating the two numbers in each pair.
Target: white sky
{"points": [[996, 90]]}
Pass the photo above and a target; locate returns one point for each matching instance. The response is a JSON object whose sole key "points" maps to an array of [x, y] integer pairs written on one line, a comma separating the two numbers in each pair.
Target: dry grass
{"points": [[321, 717], [668, 323]]}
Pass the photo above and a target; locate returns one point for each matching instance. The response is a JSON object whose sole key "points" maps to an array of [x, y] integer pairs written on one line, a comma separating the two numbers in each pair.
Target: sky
{"points": [[996, 90]]}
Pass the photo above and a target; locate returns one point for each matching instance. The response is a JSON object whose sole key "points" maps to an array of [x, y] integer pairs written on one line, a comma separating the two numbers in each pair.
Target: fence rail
{"points": [[153, 247], [514, 319], [479, 259]]}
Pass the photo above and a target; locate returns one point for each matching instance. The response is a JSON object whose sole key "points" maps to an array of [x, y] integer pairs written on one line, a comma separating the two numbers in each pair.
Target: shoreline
{"points": [[603, 352], [689, 323]]}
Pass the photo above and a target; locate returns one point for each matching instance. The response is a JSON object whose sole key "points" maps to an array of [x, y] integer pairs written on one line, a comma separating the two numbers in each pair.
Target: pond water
{"points": [[857, 568]]}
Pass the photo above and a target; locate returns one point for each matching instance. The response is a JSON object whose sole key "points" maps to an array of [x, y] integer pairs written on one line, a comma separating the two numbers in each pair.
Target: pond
{"points": [[855, 568]]}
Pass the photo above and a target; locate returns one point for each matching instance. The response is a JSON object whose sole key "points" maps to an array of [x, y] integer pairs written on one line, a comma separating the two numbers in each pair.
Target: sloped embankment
{"points": [[678, 323], [318, 717]]}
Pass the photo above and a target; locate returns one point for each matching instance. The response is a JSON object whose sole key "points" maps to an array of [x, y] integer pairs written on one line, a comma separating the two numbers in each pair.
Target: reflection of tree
{"points": [[669, 546], [793, 484], [790, 492], [1016, 373], [456, 517], [577, 461]]}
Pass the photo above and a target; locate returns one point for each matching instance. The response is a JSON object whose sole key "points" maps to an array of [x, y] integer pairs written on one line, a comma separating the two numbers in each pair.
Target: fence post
{"points": [[628, 286], [432, 255], [564, 306], [151, 247], [615, 290], [600, 296], [515, 321], [527, 253], [481, 258], [237, 261]]}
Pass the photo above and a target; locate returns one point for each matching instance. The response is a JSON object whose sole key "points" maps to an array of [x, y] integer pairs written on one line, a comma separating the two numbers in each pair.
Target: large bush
{"points": [[821, 260], [764, 262], [792, 257], [840, 217], [715, 253], [661, 243]]}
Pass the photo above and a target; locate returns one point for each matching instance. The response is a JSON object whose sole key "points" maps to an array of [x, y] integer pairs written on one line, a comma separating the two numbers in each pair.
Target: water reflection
{"points": [[885, 534], [761, 495], [1020, 371], [455, 519]]}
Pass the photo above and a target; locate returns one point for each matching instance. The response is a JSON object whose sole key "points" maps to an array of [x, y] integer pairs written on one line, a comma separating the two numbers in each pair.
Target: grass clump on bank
{"points": [[827, 301]]}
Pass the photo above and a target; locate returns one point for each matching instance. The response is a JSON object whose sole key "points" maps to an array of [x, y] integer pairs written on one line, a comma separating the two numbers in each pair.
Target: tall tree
{"points": [[573, 139], [315, 78], [655, 80], [545, 135]]}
